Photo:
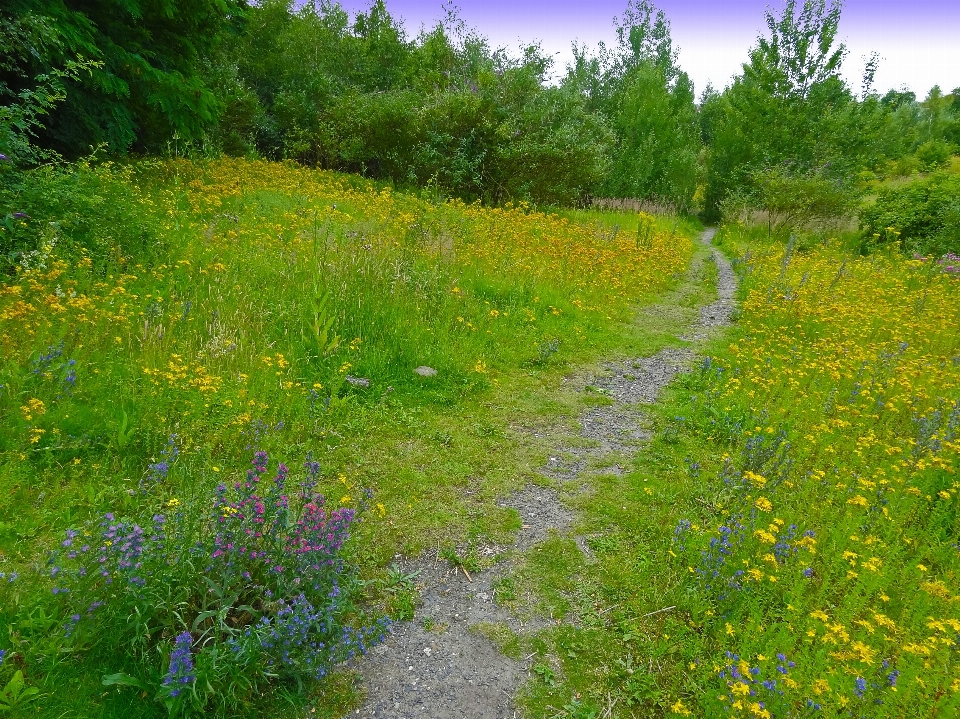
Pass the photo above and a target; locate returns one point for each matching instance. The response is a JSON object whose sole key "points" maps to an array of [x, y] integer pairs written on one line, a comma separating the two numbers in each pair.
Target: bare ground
{"points": [[442, 667]]}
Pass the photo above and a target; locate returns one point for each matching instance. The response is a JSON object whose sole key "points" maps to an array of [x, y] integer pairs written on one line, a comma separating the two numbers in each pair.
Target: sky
{"points": [[918, 40]]}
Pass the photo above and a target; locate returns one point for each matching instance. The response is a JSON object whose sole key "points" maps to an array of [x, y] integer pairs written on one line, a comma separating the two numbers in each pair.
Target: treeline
{"points": [[445, 110], [440, 109]]}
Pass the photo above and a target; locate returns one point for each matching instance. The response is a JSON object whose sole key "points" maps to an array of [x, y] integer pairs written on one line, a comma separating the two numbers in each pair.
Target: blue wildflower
{"points": [[860, 686], [181, 670], [158, 471]]}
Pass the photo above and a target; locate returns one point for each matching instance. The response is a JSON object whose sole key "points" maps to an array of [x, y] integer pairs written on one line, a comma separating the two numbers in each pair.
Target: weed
{"points": [[545, 673]]}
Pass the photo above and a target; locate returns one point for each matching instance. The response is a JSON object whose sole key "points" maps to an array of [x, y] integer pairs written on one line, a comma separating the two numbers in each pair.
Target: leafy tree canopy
{"points": [[789, 108]]}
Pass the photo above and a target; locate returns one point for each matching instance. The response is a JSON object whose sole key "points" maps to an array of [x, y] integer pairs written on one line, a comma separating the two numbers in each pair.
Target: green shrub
{"points": [[924, 216], [794, 199], [933, 155], [905, 166], [82, 209]]}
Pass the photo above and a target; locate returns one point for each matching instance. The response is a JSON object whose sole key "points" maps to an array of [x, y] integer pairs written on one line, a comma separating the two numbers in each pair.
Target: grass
{"points": [[231, 305], [786, 545]]}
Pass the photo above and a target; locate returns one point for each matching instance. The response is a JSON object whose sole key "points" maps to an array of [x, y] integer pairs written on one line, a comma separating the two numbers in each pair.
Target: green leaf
{"points": [[16, 693], [203, 616], [214, 587], [125, 680]]}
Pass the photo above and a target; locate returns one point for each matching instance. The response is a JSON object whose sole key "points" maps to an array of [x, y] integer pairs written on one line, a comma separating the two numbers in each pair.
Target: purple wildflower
{"points": [[260, 462], [72, 624], [158, 471]]}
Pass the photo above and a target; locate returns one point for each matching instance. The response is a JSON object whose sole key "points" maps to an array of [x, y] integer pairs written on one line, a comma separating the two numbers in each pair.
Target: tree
{"points": [[788, 108], [643, 36], [27, 100], [659, 138], [641, 93], [148, 84], [800, 52]]}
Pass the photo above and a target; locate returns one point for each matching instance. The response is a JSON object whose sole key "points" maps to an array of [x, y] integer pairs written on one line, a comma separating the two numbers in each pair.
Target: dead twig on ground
{"points": [[659, 611]]}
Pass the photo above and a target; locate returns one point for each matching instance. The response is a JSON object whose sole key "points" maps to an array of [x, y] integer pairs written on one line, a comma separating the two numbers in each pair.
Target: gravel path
{"points": [[450, 670]]}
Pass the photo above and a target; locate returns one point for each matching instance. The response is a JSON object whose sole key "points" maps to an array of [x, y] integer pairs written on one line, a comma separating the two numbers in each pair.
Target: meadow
{"points": [[787, 544], [179, 319], [829, 583], [241, 390]]}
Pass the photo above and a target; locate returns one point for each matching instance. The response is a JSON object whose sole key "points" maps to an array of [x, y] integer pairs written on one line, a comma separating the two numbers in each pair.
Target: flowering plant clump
{"points": [[181, 671], [950, 262], [253, 588], [836, 542]]}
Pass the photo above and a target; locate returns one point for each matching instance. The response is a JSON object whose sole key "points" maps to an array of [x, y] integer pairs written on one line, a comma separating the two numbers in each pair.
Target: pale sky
{"points": [[918, 40]]}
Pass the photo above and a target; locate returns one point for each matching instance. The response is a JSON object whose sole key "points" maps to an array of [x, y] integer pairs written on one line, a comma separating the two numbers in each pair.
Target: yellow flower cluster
{"points": [[281, 293], [850, 367]]}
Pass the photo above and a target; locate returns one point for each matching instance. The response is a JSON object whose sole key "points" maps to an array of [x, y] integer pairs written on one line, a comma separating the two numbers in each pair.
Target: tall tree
{"points": [[788, 109], [639, 89], [148, 84], [643, 37]]}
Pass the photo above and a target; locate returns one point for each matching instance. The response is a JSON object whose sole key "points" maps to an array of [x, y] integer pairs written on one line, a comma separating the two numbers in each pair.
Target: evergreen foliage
{"points": [[149, 84]]}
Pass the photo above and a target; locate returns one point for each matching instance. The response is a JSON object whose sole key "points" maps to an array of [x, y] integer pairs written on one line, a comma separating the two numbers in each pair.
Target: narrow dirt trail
{"points": [[456, 671]]}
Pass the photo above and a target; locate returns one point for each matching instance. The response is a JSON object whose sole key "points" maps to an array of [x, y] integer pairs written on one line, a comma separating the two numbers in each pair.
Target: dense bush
{"points": [[504, 137], [934, 154], [924, 216], [441, 110], [83, 209], [792, 199]]}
